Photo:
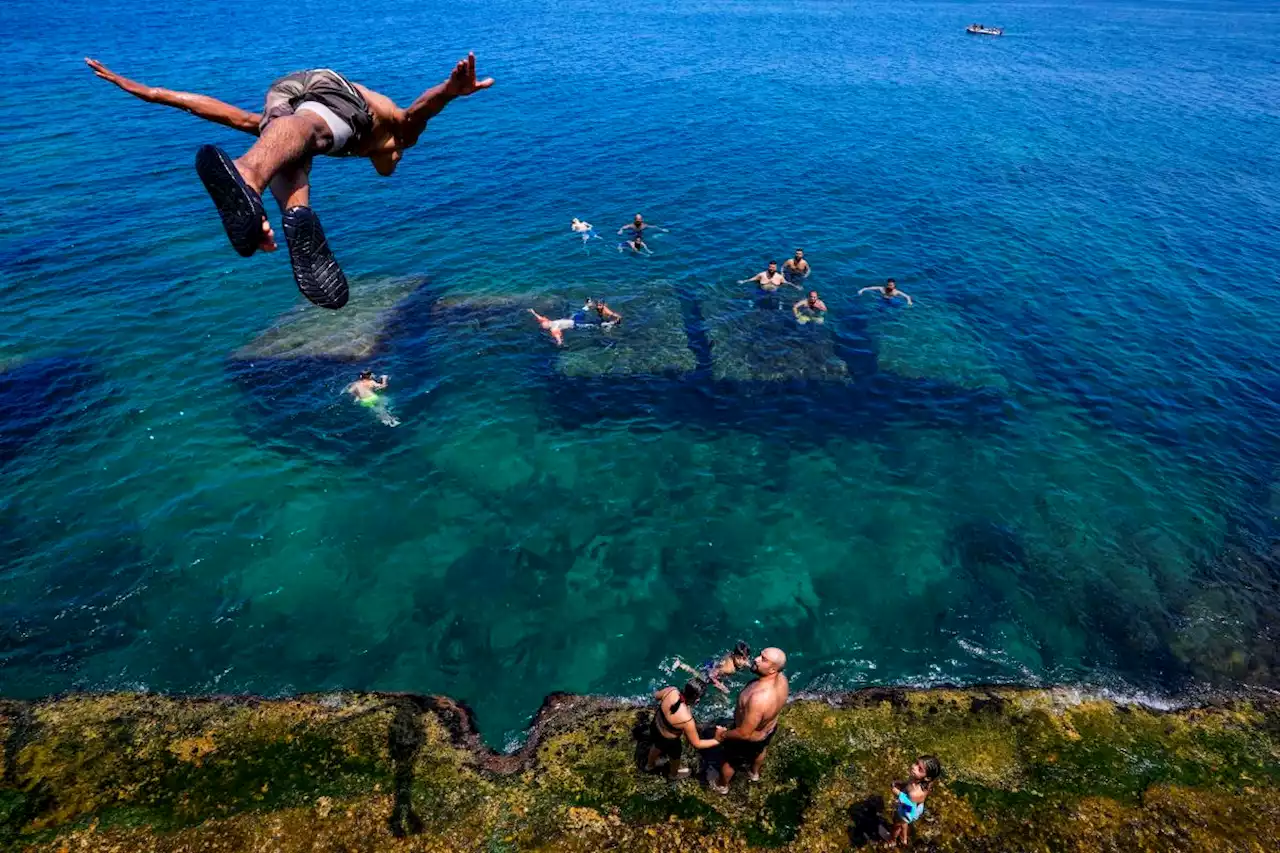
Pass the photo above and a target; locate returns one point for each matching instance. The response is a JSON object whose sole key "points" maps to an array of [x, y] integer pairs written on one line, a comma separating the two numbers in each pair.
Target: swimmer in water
{"points": [[585, 229], [607, 316], [636, 244], [555, 328], [736, 659], [365, 391], [890, 291], [796, 268], [769, 280], [638, 226], [813, 309]]}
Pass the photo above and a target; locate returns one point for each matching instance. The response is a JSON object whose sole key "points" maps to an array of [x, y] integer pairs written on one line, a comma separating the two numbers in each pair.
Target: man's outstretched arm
{"points": [[462, 82], [209, 109]]}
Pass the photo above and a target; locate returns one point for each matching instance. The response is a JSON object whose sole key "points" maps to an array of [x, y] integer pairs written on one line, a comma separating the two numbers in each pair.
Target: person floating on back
{"points": [[713, 670], [555, 328], [673, 721], [909, 797], [889, 291], [306, 113], [578, 226], [755, 719], [365, 391], [810, 309]]}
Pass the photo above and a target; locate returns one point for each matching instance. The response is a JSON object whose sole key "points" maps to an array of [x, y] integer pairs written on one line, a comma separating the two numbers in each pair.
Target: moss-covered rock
{"points": [[1026, 770]]}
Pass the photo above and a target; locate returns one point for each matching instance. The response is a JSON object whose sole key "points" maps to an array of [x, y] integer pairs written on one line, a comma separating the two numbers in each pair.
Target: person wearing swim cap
{"points": [[812, 307], [889, 292], [306, 113], [755, 719], [365, 391]]}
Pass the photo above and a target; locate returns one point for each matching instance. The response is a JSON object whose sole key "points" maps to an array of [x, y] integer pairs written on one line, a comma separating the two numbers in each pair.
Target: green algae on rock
{"points": [[1025, 770], [352, 334]]}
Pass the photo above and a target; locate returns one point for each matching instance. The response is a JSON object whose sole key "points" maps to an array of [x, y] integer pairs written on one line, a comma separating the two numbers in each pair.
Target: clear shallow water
{"points": [[1034, 474]]}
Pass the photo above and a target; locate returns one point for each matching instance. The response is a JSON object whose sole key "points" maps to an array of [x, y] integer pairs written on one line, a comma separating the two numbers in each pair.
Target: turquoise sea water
{"points": [[1057, 466]]}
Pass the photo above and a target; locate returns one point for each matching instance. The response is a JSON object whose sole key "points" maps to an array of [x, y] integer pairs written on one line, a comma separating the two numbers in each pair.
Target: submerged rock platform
{"points": [[1025, 770]]}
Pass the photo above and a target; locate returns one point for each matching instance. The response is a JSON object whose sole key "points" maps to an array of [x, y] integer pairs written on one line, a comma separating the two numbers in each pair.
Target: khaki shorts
{"points": [[327, 94]]}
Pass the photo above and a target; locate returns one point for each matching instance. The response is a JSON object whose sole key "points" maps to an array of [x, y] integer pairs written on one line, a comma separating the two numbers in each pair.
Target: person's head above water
{"points": [[366, 374], [741, 654], [799, 254], [639, 219], [813, 297], [769, 661], [890, 285], [773, 266]]}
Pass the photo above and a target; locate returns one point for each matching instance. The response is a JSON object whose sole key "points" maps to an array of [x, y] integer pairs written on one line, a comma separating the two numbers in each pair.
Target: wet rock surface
{"points": [[1025, 770]]}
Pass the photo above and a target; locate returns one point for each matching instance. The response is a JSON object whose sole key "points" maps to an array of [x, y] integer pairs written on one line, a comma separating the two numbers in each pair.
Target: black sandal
{"points": [[315, 269], [238, 204]]}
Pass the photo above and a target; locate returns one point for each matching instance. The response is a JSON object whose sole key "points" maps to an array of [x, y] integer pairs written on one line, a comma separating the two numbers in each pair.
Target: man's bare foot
{"points": [[268, 243]]}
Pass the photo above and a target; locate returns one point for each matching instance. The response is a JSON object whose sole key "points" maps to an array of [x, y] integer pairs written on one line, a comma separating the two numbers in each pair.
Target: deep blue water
{"points": [[1052, 468]]}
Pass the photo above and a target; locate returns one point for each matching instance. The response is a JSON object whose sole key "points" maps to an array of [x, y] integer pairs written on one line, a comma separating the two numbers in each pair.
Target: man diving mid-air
{"points": [[306, 113]]}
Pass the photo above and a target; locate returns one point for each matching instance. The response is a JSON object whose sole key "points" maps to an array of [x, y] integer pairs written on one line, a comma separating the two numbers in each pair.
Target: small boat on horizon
{"points": [[980, 30]]}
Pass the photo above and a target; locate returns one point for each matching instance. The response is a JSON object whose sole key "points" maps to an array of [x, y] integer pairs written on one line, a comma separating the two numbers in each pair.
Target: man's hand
{"points": [[110, 76], [462, 81], [720, 730]]}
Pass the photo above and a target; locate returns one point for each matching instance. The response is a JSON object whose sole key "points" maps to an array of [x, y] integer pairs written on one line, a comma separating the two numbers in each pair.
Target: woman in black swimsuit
{"points": [[672, 722]]}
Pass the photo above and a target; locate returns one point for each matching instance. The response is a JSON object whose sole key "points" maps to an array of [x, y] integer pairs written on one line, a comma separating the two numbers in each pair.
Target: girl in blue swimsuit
{"points": [[909, 797]]}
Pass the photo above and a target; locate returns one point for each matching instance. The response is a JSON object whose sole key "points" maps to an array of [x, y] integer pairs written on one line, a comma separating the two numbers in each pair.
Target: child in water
{"points": [[909, 797], [711, 671]]}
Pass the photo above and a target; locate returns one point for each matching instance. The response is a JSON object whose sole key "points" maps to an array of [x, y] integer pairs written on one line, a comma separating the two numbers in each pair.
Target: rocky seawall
{"points": [[1025, 770]]}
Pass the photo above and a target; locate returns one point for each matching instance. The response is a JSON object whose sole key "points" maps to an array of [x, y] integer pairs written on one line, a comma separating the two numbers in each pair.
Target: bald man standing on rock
{"points": [[755, 719]]}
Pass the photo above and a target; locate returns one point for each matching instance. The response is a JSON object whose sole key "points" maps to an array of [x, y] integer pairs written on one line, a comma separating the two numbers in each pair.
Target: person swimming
{"points": [[636, 244], [555, 328], [607, 316], [714, 669], [889, 291], [769, 280], [796, 268], [638, 226], [365, 391], [578, 226], [813, 309]]}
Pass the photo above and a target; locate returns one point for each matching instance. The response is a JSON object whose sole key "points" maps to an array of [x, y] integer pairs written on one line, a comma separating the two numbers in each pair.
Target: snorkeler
{"points": [[909, 797], [813, 309], [711, 671], [889, 291], [555, 328], [307, 113], [636, 244], [365, 390], [673, 721], [769, 280], [797, 268], [585, 229], [638, 226]]}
